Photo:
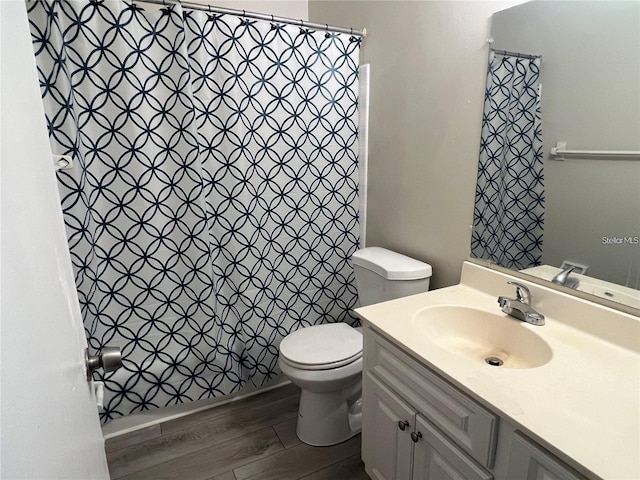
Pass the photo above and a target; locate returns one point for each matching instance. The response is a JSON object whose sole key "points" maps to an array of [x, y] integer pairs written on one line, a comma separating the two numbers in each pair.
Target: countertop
{"points": [[583, 405]]}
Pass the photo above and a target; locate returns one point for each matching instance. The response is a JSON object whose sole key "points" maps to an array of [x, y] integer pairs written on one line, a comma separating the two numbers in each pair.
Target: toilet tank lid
{"points": [[391, 265]]}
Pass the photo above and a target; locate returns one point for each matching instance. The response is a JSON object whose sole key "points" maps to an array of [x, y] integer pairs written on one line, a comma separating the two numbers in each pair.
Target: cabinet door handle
{"points": [[402, 424], [416, 436]]}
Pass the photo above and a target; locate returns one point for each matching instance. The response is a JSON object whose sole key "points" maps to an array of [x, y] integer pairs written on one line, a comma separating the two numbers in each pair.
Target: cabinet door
{"points": [[437, 458], [386, 432], [528, 461]]}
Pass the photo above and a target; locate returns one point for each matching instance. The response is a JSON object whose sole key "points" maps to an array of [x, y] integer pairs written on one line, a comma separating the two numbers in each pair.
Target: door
{"points": [[49, 422], [529, 461], [438, 458], [386, 432]]}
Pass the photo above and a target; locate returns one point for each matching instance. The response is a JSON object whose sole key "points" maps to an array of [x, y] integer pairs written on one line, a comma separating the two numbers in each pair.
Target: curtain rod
{"points": [[515, 54], [259, 16]]}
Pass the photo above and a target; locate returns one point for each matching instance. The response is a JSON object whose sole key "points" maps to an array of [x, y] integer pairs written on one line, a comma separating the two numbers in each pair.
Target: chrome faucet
{"points": [[520, 307], [564, 279]]}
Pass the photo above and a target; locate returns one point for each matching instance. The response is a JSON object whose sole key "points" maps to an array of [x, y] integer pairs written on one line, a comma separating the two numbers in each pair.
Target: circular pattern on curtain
{"points": [[509, 207], [213, 205]]}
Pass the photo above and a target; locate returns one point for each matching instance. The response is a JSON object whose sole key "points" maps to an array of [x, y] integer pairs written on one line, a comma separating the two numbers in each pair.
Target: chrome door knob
{"points": [[109, 359]]}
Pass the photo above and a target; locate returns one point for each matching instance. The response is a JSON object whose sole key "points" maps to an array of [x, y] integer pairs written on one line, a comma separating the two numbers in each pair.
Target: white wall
{"points": [[590, 99], [428, 67]]}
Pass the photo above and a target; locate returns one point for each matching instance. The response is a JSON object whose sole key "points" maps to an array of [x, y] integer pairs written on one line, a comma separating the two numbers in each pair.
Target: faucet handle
{"points": [[523, 294], [562, 277]]}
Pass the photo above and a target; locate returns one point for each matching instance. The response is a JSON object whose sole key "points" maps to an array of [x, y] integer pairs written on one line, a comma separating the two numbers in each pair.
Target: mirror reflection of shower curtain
{"points": [[213, 205], [509, 205]]}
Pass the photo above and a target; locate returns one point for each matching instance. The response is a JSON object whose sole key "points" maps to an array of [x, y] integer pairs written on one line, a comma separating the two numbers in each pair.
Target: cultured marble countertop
{"points": [[583, 405]]}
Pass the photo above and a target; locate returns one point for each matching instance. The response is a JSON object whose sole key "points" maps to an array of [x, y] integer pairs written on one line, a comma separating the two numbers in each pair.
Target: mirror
{"points": [[590, 99]]}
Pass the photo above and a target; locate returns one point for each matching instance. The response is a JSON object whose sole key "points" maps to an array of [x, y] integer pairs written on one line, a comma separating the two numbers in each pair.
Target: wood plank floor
{"points": [[251, 439]]}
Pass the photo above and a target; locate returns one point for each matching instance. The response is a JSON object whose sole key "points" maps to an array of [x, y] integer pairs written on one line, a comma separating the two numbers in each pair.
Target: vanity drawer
{"points": [[471, 426]]}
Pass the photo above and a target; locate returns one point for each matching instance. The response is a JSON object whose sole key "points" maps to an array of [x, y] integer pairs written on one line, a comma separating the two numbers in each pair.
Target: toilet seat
{"points": [[322, 347]]}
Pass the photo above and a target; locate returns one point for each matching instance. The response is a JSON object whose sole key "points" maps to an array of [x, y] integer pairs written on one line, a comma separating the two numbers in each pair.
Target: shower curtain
{"points": [[212, 207], [509, 206]]}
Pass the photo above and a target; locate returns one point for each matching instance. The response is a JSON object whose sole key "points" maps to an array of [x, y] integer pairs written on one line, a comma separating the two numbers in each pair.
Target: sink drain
{"points": [[494, 361]]}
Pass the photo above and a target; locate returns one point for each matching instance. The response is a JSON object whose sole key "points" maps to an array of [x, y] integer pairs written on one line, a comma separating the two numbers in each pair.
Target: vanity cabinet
{"points": [[403, 445], [406, 409], [417, 426]]}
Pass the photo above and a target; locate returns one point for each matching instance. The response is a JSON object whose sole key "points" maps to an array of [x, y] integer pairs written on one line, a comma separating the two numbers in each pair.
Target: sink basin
{"points": [[496, 340]]}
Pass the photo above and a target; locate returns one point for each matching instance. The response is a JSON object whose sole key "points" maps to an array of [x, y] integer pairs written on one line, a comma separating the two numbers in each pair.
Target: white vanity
{"points": [[564, 404]]}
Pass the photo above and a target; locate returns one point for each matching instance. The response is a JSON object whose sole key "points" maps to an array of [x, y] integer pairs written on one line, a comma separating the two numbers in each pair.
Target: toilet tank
{"points": [[383, 275]]}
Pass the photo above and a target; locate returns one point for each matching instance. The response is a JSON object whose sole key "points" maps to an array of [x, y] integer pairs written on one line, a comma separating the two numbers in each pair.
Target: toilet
{"points": [[325, 361]]}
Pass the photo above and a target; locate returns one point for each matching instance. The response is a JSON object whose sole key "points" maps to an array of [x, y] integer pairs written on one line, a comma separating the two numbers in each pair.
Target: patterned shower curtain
{"points": [[509, 207], [212, 207]]}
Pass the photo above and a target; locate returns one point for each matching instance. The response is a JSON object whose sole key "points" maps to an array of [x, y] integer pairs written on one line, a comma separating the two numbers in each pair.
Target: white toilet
{"points": [[325, 361]]}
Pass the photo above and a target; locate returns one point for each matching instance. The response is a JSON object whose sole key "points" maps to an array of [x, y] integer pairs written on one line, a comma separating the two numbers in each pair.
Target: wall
{"points": [[591, 100], [428, 67]]}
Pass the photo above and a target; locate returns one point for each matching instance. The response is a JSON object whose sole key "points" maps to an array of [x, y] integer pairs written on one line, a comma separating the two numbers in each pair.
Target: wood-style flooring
{"points": [[251, 439]]}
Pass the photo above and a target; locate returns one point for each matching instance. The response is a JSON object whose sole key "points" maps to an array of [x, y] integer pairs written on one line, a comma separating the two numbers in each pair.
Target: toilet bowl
{"points": [[325, 361]]}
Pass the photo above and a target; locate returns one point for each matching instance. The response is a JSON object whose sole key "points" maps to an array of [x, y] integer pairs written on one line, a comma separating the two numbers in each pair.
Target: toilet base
{"points": [[329, 418]]}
